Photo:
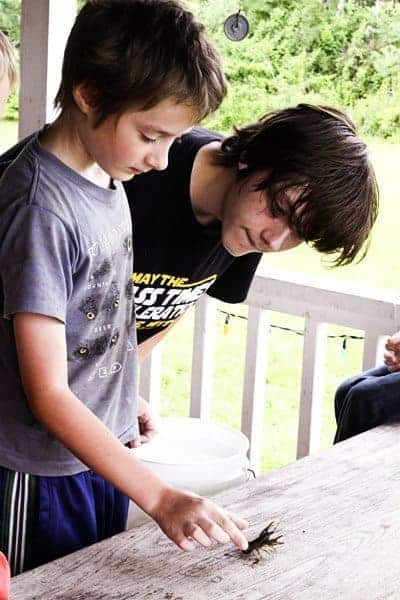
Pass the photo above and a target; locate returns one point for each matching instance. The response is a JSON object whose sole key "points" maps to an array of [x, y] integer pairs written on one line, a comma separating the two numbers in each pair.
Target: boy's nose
{"points": [[158, 160], [278, 241]]}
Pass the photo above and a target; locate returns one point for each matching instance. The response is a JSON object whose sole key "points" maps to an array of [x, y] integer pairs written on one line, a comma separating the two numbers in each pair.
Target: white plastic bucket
{"points": [[196, 455]]}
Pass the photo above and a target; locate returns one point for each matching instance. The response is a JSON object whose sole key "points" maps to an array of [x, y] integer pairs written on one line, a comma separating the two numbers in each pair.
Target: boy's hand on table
{"points": [[147, 423], [187, 518], [391, 355]]}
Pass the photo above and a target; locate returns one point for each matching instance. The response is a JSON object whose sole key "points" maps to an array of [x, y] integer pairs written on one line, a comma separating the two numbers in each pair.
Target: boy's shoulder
{"points": [[190, 143], [37, 178], [18, 177]]}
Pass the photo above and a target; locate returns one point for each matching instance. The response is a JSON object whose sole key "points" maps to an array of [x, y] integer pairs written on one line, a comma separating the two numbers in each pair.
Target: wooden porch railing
{"points": [[319, 303]]}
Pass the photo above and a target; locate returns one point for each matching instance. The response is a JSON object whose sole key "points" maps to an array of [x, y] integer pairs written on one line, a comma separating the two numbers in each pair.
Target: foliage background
{"points": [[9, 23], [345, 53], [312, 51]]}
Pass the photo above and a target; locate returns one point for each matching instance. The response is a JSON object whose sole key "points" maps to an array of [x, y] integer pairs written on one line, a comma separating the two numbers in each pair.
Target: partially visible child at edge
{"points": [[4, 578], [8, 79], [136, 76]]}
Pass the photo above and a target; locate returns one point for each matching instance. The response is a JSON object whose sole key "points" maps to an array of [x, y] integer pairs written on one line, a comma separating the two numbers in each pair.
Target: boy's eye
{"points": [[148, 139]]}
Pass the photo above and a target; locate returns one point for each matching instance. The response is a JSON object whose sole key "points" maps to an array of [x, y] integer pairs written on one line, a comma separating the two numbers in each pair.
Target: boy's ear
{"points": [[85, 98]]}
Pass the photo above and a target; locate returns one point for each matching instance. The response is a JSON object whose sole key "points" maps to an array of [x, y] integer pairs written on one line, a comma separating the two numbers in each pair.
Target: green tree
{"points": [[10, 18], [341, 52]]}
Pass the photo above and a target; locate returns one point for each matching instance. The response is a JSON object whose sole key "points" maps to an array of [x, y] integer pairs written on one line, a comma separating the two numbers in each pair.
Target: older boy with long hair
{"points": [[300, 174]]}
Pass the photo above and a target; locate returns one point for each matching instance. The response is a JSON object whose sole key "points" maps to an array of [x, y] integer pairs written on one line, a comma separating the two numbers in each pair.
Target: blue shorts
{"points": [[43, 518]]}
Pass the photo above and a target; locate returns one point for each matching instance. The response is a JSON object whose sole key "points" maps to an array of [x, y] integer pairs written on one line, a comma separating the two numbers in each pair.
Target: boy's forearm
{"points": [[75, 426], [45, 380], [146, 347]]}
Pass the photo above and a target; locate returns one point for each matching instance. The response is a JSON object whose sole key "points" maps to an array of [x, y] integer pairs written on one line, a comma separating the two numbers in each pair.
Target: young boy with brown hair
{"points": [[136, 75]]}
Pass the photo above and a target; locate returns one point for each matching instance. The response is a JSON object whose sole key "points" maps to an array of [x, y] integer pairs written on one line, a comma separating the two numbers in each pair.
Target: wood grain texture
{"points": [[338, 512]]}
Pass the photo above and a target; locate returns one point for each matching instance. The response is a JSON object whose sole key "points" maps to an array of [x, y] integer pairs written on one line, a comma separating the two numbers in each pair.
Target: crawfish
{"points": [[263, 543]]}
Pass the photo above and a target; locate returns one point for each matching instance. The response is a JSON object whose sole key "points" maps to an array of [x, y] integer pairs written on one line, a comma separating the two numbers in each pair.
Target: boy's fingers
{"points": [[235, 535], [201, 537], [239, 522], [392, 346], [214, 531], [146, 437], [186, 544]]}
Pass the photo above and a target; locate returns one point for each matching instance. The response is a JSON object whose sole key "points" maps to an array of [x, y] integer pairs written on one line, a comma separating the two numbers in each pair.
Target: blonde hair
{"points": [[8, 61]]}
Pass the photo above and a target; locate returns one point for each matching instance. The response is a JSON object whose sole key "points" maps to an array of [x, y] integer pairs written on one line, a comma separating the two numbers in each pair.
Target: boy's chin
{"points": [[123, 176], [127, 177], [235, 252]]}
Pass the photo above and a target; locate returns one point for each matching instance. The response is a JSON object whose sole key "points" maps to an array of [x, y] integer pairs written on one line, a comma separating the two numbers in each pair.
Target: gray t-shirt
{"points": [[65, 252]]}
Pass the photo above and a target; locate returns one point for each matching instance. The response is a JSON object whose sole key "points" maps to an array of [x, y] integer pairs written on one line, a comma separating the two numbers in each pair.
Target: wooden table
{"points": [[339, 513]]}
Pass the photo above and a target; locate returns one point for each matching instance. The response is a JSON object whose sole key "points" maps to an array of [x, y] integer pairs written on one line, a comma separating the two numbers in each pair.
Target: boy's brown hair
{"points": [[8, 62], [137, 53], [313, 149]]}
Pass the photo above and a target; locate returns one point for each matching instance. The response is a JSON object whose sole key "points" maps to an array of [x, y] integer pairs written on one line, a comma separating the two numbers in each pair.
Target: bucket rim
{"points": [[237, 454]]}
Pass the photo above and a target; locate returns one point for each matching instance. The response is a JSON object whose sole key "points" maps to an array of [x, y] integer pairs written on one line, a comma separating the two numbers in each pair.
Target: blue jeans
{"points": [[366, 401]]}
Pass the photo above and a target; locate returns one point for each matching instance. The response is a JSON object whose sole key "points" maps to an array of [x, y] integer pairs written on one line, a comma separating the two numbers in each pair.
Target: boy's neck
{"points": [[209, 185], [62, 139]]}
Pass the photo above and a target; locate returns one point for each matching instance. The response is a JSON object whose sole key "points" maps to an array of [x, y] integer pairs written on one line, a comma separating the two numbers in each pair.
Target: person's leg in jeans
{"points": [[366, 401]]}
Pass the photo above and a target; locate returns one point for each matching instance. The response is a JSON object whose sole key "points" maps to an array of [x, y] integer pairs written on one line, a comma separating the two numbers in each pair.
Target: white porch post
{"points": [[203, 358], [45, 25], [254, 382]]}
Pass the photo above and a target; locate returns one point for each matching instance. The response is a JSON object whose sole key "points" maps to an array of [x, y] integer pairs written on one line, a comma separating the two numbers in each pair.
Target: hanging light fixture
{"points": [[236, 27]]}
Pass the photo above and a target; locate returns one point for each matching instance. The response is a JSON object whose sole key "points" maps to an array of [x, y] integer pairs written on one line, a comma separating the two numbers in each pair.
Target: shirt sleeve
{"points": [[7, 157], [36, 262], [233, 285]]}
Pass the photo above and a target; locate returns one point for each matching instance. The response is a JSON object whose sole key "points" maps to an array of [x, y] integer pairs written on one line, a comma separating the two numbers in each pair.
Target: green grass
{"points": [[378, 270]]}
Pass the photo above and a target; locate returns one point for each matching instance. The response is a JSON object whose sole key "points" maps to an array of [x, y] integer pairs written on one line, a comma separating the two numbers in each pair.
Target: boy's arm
{"points": [[146, 347], [45, 379], [146, 419]]}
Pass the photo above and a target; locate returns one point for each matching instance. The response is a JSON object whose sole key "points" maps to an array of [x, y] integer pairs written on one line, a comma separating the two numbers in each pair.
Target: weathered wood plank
{"points": [[339, 513]]}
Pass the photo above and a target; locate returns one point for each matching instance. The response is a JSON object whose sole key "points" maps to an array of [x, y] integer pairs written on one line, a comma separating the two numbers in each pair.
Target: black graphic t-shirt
{"points": [[176, 258]]}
